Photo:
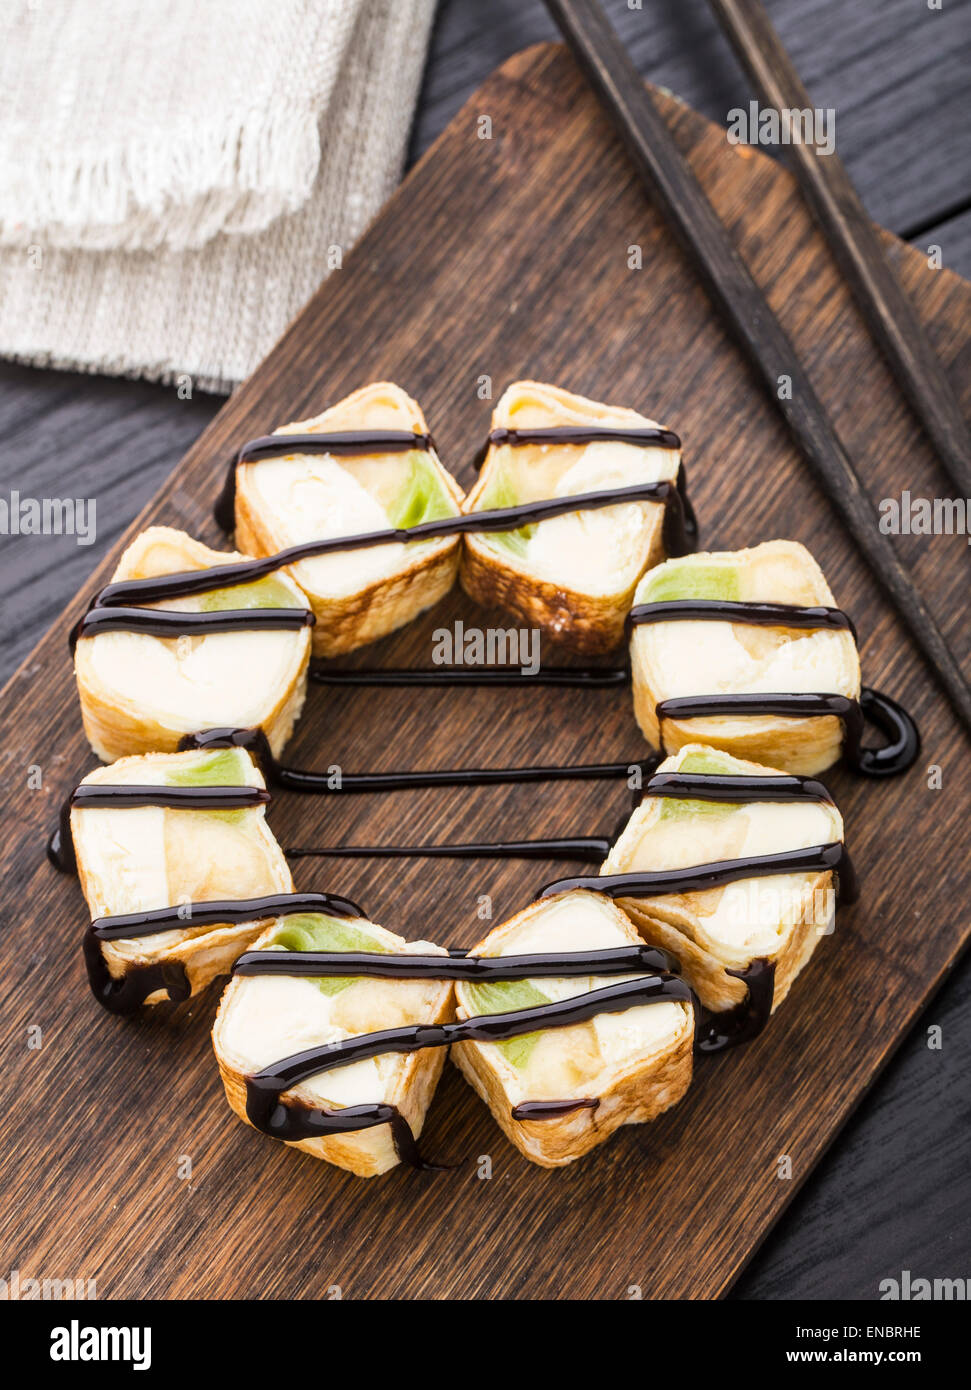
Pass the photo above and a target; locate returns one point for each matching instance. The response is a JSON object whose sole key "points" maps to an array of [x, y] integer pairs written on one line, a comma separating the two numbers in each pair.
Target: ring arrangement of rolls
{"points": [[587, 1009]]}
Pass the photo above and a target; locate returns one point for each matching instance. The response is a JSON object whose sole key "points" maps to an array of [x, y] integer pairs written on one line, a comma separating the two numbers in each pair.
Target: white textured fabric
{"points": [[183, 195]]}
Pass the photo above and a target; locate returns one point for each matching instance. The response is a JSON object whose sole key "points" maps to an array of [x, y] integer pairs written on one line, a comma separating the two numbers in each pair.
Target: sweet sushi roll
{"points": [[355, 484], [142, 691], [571, 575], [365, 1115], [755, 630], [557, 1092], [137, 856], [740, 943]]}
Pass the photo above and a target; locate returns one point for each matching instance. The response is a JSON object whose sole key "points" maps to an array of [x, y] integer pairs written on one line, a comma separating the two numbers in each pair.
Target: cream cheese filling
{"points": [[745, 919], [602, 550], [190, 682], [128, 863], [701, 658], [271, 1017], [312, 497]]}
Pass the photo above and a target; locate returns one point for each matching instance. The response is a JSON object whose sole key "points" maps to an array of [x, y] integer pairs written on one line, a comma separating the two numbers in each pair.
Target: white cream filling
{"points": [[271, 1017], [231, 678], [754, 915], [313, 498], [275, 1016], [578, 1060], [601, 550], [698, 658], [123, 850]]}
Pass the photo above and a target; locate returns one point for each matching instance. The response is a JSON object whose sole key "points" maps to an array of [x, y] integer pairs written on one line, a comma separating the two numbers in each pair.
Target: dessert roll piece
{"points": [[573, 575], [357, 595], [725, 657], [142, 858], [765, 926], [141, 692], [264, 1019], [591, 1077]]}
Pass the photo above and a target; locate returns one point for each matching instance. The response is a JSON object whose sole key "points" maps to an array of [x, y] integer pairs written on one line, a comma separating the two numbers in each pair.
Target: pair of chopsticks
{"points": [[837, 206], [677, 192]]}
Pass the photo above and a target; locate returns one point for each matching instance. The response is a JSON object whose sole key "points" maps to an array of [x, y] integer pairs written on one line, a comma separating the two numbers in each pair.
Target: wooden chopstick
{"points": [[678, 194], [853, 241]]}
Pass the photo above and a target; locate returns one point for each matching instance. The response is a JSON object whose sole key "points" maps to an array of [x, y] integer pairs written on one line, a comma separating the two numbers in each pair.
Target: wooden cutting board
{"points": [[502, 258]]}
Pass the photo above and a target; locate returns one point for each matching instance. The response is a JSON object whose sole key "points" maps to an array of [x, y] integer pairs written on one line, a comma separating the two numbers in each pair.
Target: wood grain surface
{"points": [[503, 257], [894, 71]]}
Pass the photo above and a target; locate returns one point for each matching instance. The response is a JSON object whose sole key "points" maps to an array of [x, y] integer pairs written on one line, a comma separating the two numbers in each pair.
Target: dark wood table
{"points": [[891, 1193]]}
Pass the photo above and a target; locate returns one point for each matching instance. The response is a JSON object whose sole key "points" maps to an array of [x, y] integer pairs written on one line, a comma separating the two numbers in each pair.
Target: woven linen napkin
{"points": [[176, 179]]}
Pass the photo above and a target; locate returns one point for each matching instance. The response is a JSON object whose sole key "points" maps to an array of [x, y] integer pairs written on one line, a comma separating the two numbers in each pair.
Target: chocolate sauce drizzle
{"points": [[581, 677], [166, 622], [322, 783], [831, 858], [696, 786], [757, 614], [721, 1029], [126, 796], [717, 1030], [587, 847], [267, 1111], [593, 677], [612, 960], [336, 442], [733, 787], [904, 740], [126, 993], [714, 1031], [552, 1109], [647, 436], [731, 1027], [890, 718], [127, 597], [138, 592], [895, 757]]}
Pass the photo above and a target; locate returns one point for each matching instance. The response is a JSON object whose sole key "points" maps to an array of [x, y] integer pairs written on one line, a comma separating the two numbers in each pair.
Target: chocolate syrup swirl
{"points": [[895, 757], [126, 796], [166, 622], [126, 993], [324, 784], [336, 442], [748, 611], [267, 1111]]}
